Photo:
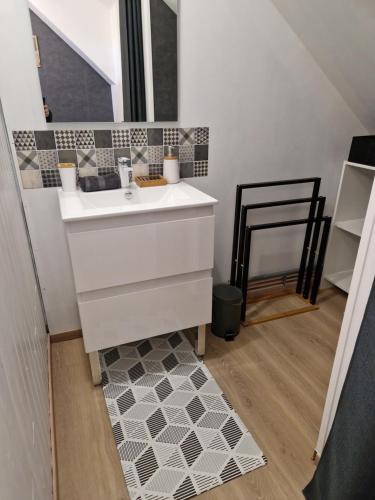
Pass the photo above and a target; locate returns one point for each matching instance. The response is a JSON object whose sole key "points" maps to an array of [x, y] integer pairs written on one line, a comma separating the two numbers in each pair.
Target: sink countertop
{"points": [[77, 205]]}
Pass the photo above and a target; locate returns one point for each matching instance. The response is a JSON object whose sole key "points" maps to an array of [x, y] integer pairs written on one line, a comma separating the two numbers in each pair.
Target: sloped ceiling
{"points": [[340, 34]]}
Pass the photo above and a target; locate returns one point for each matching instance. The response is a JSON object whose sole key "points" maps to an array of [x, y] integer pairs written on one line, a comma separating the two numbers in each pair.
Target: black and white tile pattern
{"points": [[155, 154], [51, 178], [146, 147], [65, 139], [28, 160], [107, 170], [48, 159], [155, 169], [202, 135], [84, 139], [200, 168], [186, 153], [105, 157], [139, 154], [121, 138], [186, 136], [176, 434], [24, 140], [171, 136], [138, 137], [86, 157]]}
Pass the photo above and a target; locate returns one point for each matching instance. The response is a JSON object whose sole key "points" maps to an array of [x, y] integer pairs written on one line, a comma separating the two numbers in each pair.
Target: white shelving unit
{"points": [[354, 226], [353, 245], [351, 207]]}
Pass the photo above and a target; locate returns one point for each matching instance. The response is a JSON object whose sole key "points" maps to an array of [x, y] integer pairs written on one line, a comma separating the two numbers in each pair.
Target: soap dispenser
{"points": [[171, 170], [124, 171]]}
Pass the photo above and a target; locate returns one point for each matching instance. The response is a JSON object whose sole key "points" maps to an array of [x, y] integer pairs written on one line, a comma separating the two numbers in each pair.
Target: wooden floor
{"points": [[275, 374]]}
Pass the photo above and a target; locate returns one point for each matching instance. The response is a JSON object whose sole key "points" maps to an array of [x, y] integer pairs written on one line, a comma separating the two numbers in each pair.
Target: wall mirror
{"points": [[106, 60]]}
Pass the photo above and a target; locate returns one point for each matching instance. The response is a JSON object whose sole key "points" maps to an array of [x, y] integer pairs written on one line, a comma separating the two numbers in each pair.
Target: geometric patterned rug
{"points": [[176, 433]]}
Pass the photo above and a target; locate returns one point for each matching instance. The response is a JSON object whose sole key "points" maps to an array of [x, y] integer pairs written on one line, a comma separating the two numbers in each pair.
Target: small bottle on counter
{"points": [[68, 176], [171, 169]]}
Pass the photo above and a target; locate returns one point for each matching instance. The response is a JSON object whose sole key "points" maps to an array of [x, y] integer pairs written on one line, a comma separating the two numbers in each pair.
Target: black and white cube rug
{"points": [[176, 433]]}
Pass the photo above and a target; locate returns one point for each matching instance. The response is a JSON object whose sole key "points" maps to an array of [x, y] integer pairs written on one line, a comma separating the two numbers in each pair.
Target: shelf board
{"points": [[342, 279], [353, 226], [369, 168]]}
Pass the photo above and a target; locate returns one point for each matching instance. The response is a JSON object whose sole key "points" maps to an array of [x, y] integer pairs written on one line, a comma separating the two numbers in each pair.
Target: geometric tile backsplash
{"points": [[38, 152]]}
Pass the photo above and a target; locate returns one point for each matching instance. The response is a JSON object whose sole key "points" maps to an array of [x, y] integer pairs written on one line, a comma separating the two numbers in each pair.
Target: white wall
{"points": [[341, 37], [25, 458], [272, 114]]}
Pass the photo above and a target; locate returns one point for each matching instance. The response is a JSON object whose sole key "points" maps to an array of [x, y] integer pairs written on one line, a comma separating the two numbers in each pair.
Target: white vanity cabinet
{"points": [[141, 272]]}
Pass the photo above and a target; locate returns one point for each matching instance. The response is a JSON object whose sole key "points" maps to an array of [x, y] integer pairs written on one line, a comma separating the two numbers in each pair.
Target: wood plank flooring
{"points": [[275, 374]]}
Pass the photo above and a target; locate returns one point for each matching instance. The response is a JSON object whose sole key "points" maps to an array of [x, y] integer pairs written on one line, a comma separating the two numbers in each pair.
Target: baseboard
{"points": [[52, 425], [63, 336]]}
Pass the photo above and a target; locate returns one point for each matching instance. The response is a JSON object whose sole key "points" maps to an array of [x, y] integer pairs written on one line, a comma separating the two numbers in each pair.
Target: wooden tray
{"points": [[150, 180]]}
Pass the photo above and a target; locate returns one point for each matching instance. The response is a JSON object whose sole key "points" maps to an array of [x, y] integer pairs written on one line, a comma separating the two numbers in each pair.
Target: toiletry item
{"points": [[68, 176], [171, 169], [100, 183], [124, 171]]}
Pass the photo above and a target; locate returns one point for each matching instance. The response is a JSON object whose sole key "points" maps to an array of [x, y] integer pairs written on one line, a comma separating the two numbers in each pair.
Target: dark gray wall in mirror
{"points": [[119, 65], [73, 89]]}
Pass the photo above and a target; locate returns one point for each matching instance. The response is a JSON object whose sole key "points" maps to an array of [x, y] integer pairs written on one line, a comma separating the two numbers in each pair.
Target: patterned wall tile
{"points": [[200, 168], [48, 159], [86, 157], [187, 169], [186, 153], [65, 139], [139, 154], [201, 153], [87, 172], [103, 138], [155, 154], [145, 147], [155, 169], [140, 169], [28, 160], [186, 136], [45, 139], [31, 179], [24, 140], [121, 153], [67, 156], [138, 137], [84, 139], [201, 135], [107, 170], [105, 157], [120, 138], [155, 136], [51, 178], [171, 136]]}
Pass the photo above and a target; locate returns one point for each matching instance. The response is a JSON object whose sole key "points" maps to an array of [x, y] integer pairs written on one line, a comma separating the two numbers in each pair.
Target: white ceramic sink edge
{"points": [[78, 205]]}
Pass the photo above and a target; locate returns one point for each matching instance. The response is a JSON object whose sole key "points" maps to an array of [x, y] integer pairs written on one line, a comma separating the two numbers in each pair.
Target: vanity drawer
{"points": [[129, 254], [126, 317]]}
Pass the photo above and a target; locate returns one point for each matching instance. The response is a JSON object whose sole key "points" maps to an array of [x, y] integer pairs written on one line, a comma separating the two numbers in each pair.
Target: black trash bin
{"points": [[226, 311]]}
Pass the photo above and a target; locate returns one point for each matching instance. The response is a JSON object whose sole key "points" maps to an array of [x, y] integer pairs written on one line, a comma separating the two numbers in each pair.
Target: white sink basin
{"points": [[79, 205]]}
